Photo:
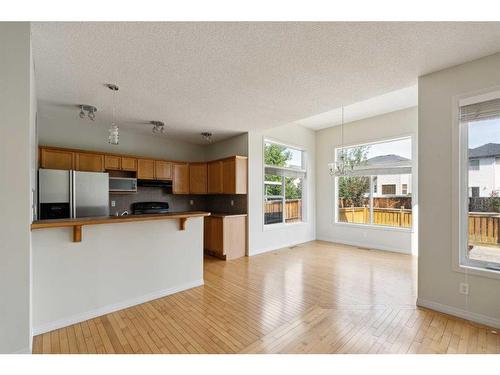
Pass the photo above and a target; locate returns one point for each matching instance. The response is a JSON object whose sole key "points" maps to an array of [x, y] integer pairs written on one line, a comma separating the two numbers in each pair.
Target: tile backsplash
{"points": [[212, 203]]}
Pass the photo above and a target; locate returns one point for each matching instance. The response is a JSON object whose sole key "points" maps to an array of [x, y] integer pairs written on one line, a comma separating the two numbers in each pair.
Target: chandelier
{"points": [[114, 136]]}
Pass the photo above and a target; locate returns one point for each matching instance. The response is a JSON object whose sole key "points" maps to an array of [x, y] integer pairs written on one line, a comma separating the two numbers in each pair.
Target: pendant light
{"points": [[339, 168], [114, 137]]}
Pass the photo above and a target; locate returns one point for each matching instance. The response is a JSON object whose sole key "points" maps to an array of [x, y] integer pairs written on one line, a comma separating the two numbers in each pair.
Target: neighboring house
{"points": [[484, 170], [389, 185]]}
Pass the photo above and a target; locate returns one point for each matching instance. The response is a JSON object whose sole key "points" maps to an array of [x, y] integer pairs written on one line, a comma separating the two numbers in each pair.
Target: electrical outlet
{"points": [[232, 203], [464, 288], [113, 203], [191, 202]]}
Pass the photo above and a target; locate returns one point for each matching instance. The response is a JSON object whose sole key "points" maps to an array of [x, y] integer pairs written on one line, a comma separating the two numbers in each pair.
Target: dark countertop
{"points": [[222, 214]]}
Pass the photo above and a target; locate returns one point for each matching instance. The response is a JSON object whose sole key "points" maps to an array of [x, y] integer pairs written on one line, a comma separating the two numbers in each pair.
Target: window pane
{"points": [[273, 211], [484, 190], [282, 156], [392, 207], [273, 185], [354, 199], [293, 201]]}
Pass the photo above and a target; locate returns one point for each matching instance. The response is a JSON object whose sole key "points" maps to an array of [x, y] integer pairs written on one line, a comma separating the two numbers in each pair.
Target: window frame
{"points": [[461, 262], [283, 223], [336, 221]]}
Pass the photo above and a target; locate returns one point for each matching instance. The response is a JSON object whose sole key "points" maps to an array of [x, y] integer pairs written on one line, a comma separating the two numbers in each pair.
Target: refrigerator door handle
{"points": [[73, 194]]}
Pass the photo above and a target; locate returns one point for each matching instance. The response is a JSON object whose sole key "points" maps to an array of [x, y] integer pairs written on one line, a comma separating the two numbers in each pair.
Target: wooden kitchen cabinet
{"points": [[163, 170], [225, 236], [128, 164], [180, 183], [112, 162], [234, 175], [214, 185], [89, 162], [198, 178], [146, 169], [56, 159]]}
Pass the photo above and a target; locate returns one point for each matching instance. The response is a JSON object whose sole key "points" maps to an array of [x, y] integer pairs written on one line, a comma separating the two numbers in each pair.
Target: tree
{"points": [[352, 189], [278, 155]]}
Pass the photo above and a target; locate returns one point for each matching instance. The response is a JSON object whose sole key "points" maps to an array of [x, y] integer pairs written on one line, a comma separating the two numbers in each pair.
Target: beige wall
{"points": [[233, 146], [62, 127], [16, 136], [387, 126], [438, 281]]}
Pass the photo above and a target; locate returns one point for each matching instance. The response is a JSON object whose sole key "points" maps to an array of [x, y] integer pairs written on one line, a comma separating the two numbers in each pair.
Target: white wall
{"points": [[265, 239], [62, 127], [16, 135], [115, 266], [387, 126], [438, 282], [233, 146]]}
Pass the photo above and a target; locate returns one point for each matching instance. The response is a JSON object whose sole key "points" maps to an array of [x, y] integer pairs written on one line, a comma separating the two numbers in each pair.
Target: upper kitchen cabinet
{"points": [[180, 183], [214, 185], [163, 170], [89, 162], [56, 159], [112, 162], [234, 175], [128, 164], [146, 169], [198, 178]]}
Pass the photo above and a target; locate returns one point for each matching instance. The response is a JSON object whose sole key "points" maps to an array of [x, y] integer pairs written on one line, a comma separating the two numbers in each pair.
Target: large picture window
{"points": [[284, 181], [480, 184], [376, 189]]}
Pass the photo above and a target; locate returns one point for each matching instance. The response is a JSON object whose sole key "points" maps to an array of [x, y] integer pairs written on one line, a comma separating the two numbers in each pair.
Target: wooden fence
{"points": [[273, 211], [381, 216], [483, 228]]}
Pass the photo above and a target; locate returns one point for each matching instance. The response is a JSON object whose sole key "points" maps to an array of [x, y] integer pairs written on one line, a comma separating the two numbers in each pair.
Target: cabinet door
{"points": [[88, 162], [112, 162], [180, 183], [56, 159], [146, 169], [128, 164], [215, 177], [163, 170], [198, 178], [213, 235], [234, 175]]}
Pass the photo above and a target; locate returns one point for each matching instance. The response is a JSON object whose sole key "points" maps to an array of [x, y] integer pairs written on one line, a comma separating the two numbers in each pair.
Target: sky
{"points": [[483, 132], [401, 147]]}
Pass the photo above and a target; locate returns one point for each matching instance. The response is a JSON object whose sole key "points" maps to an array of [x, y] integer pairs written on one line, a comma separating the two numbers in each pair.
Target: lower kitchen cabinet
{"points": [[225, 236]]}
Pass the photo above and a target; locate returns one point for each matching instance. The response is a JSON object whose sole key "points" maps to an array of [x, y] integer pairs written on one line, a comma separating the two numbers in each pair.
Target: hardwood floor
{"points": [[314, 298]]}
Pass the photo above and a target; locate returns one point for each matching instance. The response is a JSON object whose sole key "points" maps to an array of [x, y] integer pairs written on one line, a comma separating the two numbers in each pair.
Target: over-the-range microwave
{"points": [[123, 184]]}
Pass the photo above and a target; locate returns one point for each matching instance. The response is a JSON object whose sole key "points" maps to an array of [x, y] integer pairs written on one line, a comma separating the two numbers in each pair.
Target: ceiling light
{"points": [[114, 136], [207, 136], [90, 109], [158, 127]]}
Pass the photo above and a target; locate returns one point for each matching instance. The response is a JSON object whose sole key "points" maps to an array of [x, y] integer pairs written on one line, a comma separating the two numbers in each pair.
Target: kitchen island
{"points": [[118, 262]]}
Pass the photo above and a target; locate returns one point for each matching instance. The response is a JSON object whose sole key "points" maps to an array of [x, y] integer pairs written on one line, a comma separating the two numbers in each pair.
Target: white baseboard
{"points": [[114, 307], [282, 246], [365, 245], [464, 314]]}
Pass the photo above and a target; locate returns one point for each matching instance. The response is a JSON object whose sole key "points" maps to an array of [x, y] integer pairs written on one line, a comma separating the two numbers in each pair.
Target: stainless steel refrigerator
{"points": [[72, 194]]}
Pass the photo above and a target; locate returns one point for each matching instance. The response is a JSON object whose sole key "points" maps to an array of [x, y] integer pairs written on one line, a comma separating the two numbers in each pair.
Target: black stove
{"points": [[142, 208]]}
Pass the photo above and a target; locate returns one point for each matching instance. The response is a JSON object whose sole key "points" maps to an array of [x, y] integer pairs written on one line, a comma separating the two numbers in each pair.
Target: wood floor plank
{"points": [[313, 298]]}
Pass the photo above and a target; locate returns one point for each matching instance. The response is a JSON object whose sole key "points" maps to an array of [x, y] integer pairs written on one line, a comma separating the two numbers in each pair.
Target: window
{"points": [[389, 189], [480, 201], [474, 165], [284, 179], [368, 193]]}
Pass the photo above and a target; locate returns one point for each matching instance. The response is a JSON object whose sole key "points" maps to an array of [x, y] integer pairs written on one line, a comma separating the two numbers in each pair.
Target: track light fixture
{"points": [[87, 110]]}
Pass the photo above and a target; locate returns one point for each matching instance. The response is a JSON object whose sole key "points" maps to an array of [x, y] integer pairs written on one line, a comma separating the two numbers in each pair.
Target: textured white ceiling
{"points": [[234, 77]]}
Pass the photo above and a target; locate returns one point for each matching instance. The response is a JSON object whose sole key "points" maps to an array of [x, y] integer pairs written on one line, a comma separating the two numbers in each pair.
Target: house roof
{"points": [[484, 151], [386, 159]]}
